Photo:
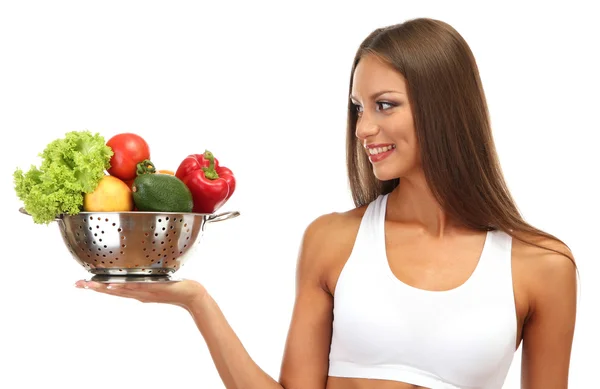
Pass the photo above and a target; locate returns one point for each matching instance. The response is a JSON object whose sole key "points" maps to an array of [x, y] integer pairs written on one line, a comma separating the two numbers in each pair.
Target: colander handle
{"points": [[219, 217]]}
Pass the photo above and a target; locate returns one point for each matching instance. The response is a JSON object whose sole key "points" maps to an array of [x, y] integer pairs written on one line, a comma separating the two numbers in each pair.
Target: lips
{"points": [[378, 152]]}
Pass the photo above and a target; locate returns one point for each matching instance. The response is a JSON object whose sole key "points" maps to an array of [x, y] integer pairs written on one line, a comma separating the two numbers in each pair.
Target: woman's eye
{"points": [[383, 105], [380, 106]]}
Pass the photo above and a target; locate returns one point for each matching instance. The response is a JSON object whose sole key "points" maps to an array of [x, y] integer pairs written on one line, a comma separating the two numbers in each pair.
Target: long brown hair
{"points": [[452, 126]]}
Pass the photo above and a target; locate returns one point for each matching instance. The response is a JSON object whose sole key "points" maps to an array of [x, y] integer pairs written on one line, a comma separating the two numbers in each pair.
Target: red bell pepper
{"points": [[211, 185]]}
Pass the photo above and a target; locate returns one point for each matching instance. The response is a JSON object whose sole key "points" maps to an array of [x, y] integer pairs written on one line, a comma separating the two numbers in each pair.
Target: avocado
{"points": [[161, 193]]}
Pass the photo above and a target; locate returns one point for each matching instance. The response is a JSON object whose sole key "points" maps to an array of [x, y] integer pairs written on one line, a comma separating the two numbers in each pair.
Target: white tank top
{"points": [[385, 329]]}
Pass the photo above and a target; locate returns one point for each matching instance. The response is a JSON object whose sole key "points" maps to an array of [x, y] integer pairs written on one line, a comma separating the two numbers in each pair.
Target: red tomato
{"points": [[129, 150]]}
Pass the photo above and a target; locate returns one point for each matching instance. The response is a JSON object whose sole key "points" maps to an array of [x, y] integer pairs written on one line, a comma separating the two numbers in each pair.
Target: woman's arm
{"points": [[305, 362], [548, 331], [235, 366], [306, 357]]}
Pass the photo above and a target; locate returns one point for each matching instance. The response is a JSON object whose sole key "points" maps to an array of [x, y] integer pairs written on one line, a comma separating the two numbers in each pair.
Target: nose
{"points": [[366, 127]]}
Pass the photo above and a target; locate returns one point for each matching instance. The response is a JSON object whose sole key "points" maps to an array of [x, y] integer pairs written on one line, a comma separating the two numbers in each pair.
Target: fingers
{"points": [[82, 284], [122, 290]]}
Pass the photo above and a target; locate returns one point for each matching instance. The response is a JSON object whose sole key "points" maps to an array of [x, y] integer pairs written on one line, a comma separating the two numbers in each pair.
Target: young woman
{"points": [[434, 279]]}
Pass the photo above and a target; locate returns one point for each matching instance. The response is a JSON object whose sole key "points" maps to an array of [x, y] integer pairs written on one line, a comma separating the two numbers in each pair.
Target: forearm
{"points": [[236, 368]]}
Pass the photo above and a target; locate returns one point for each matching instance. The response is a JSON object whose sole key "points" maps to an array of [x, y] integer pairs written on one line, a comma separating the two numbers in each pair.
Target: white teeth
{"points": [[378, 150]]}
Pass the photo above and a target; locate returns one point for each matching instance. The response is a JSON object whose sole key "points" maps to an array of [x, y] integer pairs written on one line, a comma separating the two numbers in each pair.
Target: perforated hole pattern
{"points": [[131, 243]]}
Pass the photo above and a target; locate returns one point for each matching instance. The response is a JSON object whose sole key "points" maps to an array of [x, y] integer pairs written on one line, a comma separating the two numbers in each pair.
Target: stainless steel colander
{"points": [[133, 246]]}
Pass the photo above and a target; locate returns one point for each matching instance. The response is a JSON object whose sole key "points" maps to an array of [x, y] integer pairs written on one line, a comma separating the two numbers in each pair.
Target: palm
{"points": [[181, 293]]}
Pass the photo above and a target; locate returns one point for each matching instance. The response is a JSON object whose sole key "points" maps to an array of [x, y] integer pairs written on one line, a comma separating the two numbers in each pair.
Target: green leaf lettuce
{"points": [[71, 167]]}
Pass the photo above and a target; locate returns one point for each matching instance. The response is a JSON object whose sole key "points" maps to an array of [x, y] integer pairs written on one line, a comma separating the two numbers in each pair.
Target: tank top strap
{"points": [[367, 237], [378, 212], [373, 218], [496, 265]]}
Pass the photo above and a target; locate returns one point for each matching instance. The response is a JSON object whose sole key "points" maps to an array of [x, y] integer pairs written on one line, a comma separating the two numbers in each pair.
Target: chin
{"points": [[386, 174]]}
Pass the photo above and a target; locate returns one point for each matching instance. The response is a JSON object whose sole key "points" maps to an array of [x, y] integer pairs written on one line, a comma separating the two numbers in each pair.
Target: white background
{"points": [[263, 86]]}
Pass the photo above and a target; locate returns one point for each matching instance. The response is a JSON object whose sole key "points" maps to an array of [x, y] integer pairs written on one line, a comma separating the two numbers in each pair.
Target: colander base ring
{"points": [[113, 279]]}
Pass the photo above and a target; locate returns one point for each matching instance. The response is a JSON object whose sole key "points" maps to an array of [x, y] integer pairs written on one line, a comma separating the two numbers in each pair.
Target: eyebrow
{"points": [[377, 94]]}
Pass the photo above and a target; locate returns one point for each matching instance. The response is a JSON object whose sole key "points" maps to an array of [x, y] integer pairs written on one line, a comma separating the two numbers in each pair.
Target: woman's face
{"points": [[385, 123]]}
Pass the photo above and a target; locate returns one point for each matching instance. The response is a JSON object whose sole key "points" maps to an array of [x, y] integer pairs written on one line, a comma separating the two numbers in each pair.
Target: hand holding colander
{"points": [[183, 293], [133, 246]]}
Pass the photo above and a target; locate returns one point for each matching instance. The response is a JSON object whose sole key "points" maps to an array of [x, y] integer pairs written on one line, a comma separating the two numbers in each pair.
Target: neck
{"points": [[412, 202]]}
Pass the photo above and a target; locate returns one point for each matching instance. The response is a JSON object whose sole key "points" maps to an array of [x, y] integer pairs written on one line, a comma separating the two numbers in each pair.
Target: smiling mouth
{"points": [[379, 150]]}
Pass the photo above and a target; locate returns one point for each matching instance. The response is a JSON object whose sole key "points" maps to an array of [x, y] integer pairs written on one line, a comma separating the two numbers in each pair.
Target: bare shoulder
{"points": [[332, 227], [544, 270], [550, 259], [328, 241]]}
